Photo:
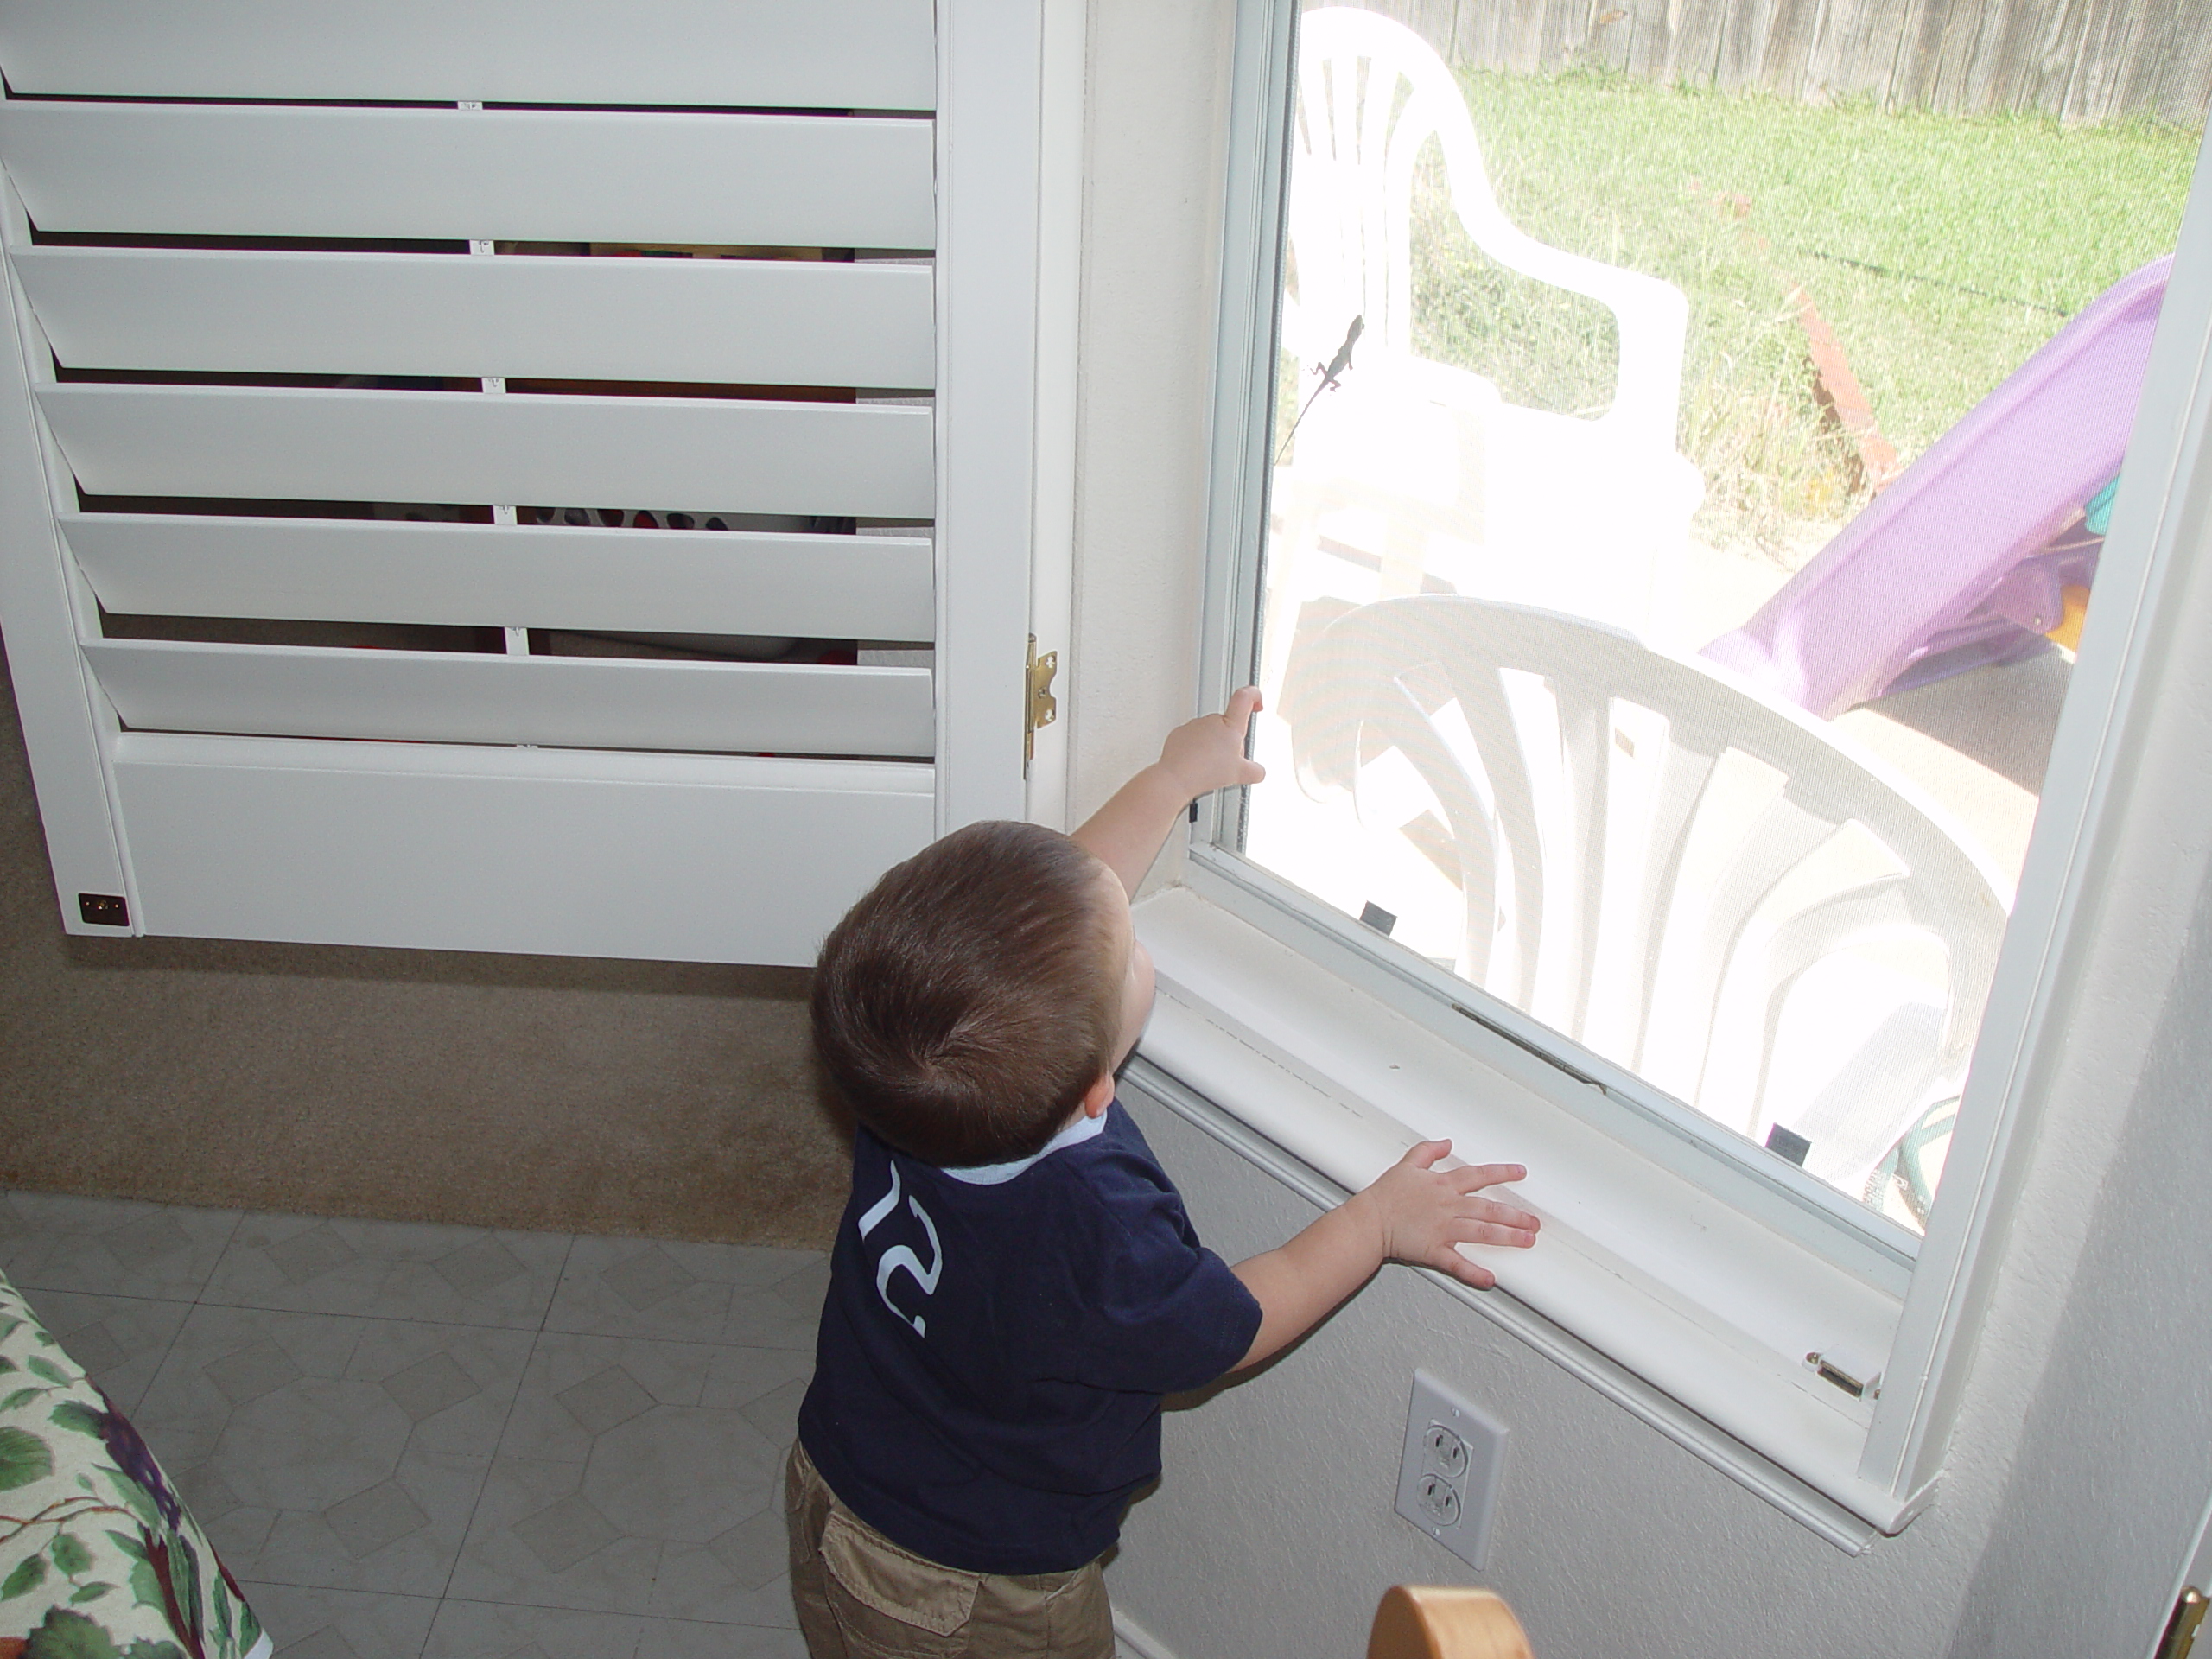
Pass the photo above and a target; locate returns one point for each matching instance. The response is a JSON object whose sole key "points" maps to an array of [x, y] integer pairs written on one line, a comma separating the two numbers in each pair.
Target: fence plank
{"points": [[2141, 73], [2181, 87], [1478, 34], [1568, 30], [1742, 44], [1856, 55], [1608, 34], [1433, 20], [1827, 46], [1793, 36], [1918, 49], [1518, 40], [1469, 41], [2119, 35], [2019, 55], [1650, 39], [1953, 49], [1698, 30], [1999, 30]]}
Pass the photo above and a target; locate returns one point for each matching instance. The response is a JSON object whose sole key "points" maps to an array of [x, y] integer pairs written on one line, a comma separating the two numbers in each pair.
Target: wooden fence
{"points": [[2078, 60]]}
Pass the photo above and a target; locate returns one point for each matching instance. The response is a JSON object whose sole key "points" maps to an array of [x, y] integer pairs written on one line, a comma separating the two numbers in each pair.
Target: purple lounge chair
{"points": [[1965, 558]]}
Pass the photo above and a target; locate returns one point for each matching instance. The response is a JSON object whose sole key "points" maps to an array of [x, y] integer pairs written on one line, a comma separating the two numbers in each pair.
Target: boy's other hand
{"points": [[1415, 1212], [1425, 1212], [1208, 753]]}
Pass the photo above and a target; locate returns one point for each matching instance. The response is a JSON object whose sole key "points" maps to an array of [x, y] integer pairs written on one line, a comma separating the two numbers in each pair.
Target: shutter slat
{"points": [[567, 702], [656, 581], [742, 321], [680, 857], [505, 174], [834, 53], [732, 456]]}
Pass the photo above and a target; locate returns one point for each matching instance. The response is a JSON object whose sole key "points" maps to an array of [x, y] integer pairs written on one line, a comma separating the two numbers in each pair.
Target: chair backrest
{"points": [[1654, 861], [1371, 95], [1417, 1621]]}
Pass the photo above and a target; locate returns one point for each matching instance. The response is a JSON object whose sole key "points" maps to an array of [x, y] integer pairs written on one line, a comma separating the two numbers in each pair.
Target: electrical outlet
{"points": [[1447, 1482]]}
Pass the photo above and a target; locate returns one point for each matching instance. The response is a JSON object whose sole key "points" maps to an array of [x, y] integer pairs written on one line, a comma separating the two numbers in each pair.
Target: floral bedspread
{"points": [[98, 1560]]}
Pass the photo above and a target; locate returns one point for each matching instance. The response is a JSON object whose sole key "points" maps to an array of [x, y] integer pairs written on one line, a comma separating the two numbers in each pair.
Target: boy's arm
{"points": [[1413, 1213], [1200, 756]]}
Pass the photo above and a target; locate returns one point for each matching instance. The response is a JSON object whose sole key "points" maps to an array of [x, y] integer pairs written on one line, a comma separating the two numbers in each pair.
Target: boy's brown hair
{"points": [[968, 1001]]}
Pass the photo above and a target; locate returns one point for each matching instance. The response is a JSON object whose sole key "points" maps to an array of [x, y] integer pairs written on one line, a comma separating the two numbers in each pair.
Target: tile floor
{"points": [[424, 1442]]}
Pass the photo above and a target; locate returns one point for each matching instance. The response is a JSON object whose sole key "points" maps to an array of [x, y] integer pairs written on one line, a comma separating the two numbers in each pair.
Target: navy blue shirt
{"points": [[995, 1343]]}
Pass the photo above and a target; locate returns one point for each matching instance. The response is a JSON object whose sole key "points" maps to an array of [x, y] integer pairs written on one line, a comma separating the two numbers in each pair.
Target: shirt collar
{"points": [[1084, 1128]]}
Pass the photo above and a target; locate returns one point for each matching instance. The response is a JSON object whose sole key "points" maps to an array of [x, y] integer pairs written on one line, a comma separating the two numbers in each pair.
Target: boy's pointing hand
{"points": [[1201, 755], [1208, 753]]}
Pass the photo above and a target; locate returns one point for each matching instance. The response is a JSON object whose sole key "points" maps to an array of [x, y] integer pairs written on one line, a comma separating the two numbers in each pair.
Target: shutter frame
{"points": [[156, 816]]}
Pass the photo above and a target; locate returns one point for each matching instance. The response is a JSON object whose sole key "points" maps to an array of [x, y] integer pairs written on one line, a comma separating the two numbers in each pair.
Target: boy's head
{"points": [[972, 1002]]}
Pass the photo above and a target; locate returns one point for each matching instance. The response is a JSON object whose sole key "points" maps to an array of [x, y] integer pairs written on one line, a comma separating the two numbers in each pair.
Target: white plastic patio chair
{"points": [[1691, 881], [1588, 516]]}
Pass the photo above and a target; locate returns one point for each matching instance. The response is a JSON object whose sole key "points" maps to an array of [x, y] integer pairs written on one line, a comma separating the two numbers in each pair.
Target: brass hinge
{"points": [[2181, 1628], [1039, 708]]}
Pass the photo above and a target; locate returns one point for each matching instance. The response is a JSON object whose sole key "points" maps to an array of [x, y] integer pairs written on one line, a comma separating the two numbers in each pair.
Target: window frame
{"points": [[1212, 975]]}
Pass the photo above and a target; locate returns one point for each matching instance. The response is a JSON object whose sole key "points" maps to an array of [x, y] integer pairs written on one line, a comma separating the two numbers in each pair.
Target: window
{"points": [[1664, 638]]}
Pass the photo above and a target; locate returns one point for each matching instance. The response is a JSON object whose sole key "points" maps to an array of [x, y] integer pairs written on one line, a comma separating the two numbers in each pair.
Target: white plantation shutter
{"points": [[359, 346]]}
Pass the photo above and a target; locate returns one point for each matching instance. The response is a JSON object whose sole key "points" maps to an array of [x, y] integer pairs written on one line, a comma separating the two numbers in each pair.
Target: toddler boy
{"points": [[1014, 1284]]}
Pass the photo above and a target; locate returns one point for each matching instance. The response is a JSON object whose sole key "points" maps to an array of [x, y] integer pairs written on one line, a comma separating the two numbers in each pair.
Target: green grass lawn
{"points": [[1942, 250]]}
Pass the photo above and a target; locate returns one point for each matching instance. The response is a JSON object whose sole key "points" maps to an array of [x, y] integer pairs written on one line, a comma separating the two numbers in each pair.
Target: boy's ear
{"points": [[1099, 1096]]}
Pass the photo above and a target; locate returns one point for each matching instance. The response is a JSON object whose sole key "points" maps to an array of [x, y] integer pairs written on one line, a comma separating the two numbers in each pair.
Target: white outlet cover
{"points": [[1435, 1406]]}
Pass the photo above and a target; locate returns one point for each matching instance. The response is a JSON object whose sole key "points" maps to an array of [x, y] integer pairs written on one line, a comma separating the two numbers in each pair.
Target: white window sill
{"points": [[1690, 1313]]}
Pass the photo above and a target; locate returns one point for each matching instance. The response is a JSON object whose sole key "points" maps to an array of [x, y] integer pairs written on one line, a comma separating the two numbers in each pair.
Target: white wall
{"points": [[2081, 1456]]}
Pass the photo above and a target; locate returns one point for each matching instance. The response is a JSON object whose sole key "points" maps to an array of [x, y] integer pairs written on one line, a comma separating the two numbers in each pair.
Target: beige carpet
{"points": [[664, 1100]]}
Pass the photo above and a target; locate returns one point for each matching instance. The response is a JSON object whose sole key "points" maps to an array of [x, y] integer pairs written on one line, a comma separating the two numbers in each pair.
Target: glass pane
{"points": [[1684, 509]]}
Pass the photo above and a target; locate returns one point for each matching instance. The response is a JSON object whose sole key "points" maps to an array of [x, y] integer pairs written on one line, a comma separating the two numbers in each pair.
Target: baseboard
{"points": [[1133, 1641]]}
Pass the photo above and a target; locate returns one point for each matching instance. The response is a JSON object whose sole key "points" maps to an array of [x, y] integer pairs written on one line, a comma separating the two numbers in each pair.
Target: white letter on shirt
{"points": [[901, 1256], [873, 1217]]}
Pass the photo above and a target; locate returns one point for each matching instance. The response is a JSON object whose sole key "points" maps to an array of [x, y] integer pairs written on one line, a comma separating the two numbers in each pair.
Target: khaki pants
{"points": [[860, 1596]]}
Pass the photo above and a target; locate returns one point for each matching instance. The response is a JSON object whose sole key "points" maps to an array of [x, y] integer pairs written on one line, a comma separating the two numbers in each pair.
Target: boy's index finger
{"points": [[1244, 703]]}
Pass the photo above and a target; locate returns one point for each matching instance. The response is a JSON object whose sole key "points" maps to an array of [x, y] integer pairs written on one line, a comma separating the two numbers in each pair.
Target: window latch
{"points": [[1858, 1388], [1039, 706]]}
